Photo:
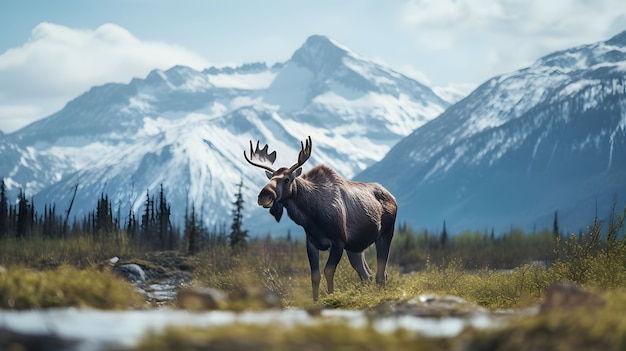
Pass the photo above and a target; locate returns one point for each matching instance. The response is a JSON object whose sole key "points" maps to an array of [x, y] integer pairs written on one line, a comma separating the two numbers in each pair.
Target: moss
{"points": [[23, 288], [322, 337]]}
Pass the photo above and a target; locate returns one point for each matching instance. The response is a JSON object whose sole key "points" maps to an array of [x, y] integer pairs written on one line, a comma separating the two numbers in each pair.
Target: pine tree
{"points": [[238, 236]]}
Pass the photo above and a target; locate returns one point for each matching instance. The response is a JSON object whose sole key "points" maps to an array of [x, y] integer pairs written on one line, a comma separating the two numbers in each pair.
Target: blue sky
{"points": [[52, 51]]}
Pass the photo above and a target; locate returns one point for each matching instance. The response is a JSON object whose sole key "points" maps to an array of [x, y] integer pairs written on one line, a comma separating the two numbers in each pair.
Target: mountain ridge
{"points": [[521, 147], [186, 129]]}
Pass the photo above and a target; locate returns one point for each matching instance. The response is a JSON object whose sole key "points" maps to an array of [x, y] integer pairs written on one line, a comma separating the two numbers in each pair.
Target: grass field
{"points": [[42, 273]]}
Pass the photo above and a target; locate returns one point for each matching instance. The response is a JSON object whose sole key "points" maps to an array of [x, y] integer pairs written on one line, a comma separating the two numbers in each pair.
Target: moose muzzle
{"points": [[266, 197]]}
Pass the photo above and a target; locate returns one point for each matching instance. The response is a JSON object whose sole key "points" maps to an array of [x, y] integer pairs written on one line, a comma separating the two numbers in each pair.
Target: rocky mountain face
{"points": [[550, 137], [186, 130]]}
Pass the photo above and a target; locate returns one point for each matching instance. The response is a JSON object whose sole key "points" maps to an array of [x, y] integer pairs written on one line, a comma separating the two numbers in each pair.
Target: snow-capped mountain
{"points": [[550, 137], [187, 130]]}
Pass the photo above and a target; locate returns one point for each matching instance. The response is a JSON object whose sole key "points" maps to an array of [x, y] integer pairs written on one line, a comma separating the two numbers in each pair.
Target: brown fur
{"points": [[336, 214]]}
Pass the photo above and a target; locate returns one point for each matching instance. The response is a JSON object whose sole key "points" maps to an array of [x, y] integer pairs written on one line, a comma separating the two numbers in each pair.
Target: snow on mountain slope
{"points": [[187, 130], [550, 137]]}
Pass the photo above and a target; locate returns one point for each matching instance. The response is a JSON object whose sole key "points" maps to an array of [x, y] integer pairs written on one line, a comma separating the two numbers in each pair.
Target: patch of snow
{"points": [[250, 81], [243, 101]]}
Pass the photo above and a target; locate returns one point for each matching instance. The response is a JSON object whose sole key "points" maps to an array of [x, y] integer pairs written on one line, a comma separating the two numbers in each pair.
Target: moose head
{"points": [[279, 188]]}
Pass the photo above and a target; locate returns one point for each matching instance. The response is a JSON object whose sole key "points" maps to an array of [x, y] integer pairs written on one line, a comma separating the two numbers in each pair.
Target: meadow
{"points": [[509, 271]]}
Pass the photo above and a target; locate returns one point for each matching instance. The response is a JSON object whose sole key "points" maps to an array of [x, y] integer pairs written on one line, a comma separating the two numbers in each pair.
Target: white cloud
{"points": [[58, 63], [505, 35]]}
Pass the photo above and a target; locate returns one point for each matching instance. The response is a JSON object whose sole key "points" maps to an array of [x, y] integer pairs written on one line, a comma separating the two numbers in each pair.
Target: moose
{"points": [[337, 214]]}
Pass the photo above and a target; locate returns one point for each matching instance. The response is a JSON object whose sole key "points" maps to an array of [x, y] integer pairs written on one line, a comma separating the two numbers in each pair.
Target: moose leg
{"points": [[367, 268], [383, 244], [334, 257], [357, 260], [314, 261]]}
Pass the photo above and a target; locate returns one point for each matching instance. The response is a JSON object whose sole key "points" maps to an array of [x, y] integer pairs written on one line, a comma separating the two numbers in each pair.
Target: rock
{"points": [[132, 272], [201, 299], [568, 296]]}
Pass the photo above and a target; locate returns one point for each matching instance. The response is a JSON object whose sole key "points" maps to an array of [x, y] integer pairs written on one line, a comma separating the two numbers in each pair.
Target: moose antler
{"points": [[305, 153], [260, 156]]}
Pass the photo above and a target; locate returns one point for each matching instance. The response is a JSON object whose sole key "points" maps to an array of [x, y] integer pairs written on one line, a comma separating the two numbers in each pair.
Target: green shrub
{"points": [[594, 259]]}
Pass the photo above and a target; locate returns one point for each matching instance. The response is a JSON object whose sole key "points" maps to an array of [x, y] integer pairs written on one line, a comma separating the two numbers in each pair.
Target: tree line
{"points": [[151, 228]]}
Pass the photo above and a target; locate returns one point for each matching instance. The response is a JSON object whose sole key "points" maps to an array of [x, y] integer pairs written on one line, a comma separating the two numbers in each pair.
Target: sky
{"points": [[53, 51]]}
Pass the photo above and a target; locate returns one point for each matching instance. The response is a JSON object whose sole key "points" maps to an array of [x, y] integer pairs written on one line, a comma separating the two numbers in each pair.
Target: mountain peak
{"points": [[185, 129], [618, 40], [319, 51]]}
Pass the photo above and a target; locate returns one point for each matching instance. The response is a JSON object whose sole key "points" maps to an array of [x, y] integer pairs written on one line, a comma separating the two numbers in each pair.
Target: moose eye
{"points": [[286, 180]]}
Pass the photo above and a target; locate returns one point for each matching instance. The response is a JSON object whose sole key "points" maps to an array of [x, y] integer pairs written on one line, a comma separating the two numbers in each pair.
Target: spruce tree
{"points": [[165, 235], [238, 236], [25, 216], [147, 221], [103, 219]]}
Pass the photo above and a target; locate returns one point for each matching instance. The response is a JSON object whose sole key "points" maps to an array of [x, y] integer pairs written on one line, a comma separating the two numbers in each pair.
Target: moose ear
{"points": [[277, 210], [269, 174], [297, 172]]}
